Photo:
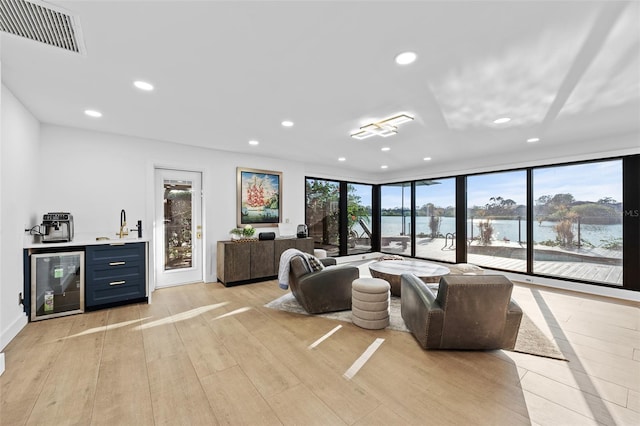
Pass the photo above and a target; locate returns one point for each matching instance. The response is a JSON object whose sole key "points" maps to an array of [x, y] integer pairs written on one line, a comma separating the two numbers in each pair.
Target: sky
{"points": [[586, 182]]}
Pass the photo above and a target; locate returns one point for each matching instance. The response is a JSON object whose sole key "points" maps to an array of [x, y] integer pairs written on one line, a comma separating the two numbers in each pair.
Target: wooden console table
{"points": [[243, 262]]}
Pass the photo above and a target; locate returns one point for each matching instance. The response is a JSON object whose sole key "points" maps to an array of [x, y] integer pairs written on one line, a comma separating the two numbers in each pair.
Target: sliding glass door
{"points": [[395, 218], [323, 214], [578, 229], [359, 218], [497, 220], [566, 221], [436, 219]]}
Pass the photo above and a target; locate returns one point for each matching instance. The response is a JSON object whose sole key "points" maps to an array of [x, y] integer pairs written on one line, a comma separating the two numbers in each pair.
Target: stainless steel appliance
{"points": [[57, 284], [58, 227]]}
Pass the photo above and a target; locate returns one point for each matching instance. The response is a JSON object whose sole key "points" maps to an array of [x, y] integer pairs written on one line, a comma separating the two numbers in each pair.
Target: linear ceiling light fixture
{"points": [[385, 127]]}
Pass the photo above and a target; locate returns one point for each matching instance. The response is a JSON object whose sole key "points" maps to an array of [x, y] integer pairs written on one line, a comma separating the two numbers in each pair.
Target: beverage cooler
{"points": [[57, 284]]}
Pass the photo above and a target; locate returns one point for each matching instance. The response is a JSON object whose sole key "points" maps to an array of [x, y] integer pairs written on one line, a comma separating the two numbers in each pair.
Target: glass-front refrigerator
{"points": [[57, 284]]}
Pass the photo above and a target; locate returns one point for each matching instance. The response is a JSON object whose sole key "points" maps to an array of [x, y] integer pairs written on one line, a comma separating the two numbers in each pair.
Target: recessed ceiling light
{"points": [[427, 158], [253, 142], [406, 58], [287, 123], [143, 85], [93, 113], [342, 159], [531, 140], [386, 148], [502, 120], [384, 166]]}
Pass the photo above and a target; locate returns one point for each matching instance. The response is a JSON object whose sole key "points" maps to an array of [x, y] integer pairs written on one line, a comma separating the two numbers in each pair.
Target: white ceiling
{"points": [[228, 72]]}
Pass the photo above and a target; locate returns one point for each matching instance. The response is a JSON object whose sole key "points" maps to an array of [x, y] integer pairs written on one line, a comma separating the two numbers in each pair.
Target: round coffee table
{"points": [[390, 270]]}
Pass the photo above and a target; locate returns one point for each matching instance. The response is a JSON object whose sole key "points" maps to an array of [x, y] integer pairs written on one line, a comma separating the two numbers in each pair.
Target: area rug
{"points": [[530, 340]]}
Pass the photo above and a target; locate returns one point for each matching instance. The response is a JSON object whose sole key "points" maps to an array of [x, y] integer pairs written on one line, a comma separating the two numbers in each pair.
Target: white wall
{"points": [[1, 354], [95, 175], [20, 138]]}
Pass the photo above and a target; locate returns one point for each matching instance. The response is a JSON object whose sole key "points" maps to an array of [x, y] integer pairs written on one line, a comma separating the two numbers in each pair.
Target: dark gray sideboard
{"points": [[243, 262]]}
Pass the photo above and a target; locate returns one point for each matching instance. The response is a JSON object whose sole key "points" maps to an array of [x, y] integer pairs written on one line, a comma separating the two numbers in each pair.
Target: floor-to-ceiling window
{"points": [[395, 218], [565, 221], [497, 220], [359, 218], [435, 207], [578, 215], [323, 213]]}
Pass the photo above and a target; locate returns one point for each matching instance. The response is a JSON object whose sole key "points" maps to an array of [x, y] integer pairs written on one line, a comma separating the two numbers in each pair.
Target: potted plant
{"points": [[248, 231], [236, 233], [242, 233]]}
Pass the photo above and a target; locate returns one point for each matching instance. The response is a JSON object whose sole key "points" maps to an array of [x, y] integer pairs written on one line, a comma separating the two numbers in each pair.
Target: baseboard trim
{"points": [[12, 331]]}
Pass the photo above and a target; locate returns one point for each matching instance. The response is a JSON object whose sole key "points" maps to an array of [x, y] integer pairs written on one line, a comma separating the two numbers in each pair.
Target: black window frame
{"points": [[630, 225], [343, 226]]}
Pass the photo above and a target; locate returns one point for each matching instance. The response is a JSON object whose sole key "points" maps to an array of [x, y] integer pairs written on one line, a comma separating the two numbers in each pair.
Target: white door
{"points": [[178, 227]]}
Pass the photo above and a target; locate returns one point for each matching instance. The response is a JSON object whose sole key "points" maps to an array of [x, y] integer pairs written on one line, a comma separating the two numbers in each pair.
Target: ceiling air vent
{"points": [[41, 22]]}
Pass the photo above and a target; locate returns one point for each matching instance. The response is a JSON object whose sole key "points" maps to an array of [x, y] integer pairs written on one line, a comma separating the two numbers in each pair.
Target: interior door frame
{"points": [[151, 203]]}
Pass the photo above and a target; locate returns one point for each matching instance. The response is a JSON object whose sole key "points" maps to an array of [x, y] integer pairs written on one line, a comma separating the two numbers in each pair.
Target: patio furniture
{"points": [[464, 312], [370, 303], [404, 240], [326, 290]]}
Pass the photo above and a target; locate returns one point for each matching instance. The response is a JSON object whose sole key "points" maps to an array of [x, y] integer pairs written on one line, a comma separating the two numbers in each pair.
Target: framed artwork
{"points": [[259, 197]]}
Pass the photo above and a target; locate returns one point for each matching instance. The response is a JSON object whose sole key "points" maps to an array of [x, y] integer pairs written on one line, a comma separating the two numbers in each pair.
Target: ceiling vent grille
{"points": [[40, 22]]}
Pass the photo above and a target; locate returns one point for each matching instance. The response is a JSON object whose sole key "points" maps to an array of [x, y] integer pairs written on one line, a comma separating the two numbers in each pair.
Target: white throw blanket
{"points": [[284, 267]]}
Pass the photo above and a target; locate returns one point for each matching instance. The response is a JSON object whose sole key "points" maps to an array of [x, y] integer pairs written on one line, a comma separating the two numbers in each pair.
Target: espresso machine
{"points": [[58, 227]]}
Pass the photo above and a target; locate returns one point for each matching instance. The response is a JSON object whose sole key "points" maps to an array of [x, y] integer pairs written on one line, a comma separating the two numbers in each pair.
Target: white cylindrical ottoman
{"points": [[319, 253], [370, 303]]}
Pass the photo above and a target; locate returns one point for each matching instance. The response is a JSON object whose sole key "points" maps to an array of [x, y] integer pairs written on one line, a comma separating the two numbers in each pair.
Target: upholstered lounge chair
{"points": [[327, 290], [463, 312]]}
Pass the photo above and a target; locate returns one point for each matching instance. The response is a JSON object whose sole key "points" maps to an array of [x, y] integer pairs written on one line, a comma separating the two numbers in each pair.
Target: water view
{"points": [[503, 230], [576, 221]]}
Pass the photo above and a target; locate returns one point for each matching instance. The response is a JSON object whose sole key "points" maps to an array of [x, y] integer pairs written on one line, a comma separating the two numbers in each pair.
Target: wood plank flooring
{"points": [[203, 354]]}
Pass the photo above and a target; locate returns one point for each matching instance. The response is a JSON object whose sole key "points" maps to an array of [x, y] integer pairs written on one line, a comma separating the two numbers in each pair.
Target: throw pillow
{"points": [[315, 263]]}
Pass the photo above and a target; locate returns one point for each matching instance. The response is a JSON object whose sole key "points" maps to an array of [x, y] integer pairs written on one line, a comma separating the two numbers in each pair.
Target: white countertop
{"points": [[84, 240]]}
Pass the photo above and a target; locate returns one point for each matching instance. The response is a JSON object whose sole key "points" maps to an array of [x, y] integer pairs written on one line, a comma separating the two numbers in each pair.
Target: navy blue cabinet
{"points": [[115, 273]]}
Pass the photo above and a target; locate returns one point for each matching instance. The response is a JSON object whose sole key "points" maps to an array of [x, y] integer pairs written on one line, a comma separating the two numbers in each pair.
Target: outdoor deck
{"points": [[581, 268]]}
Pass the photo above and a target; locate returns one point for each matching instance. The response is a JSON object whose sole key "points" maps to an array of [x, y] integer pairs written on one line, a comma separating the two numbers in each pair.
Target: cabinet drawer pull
{"points": [[116, 244], [116, 263], [117, 282]]}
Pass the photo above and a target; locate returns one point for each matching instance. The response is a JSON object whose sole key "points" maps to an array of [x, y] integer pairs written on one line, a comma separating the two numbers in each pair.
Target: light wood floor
{"points": [[204, 354]]}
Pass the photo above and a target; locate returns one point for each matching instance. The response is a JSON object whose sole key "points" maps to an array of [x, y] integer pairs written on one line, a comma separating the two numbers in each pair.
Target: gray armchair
{"points": [[327, 290], [463, 312]]}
